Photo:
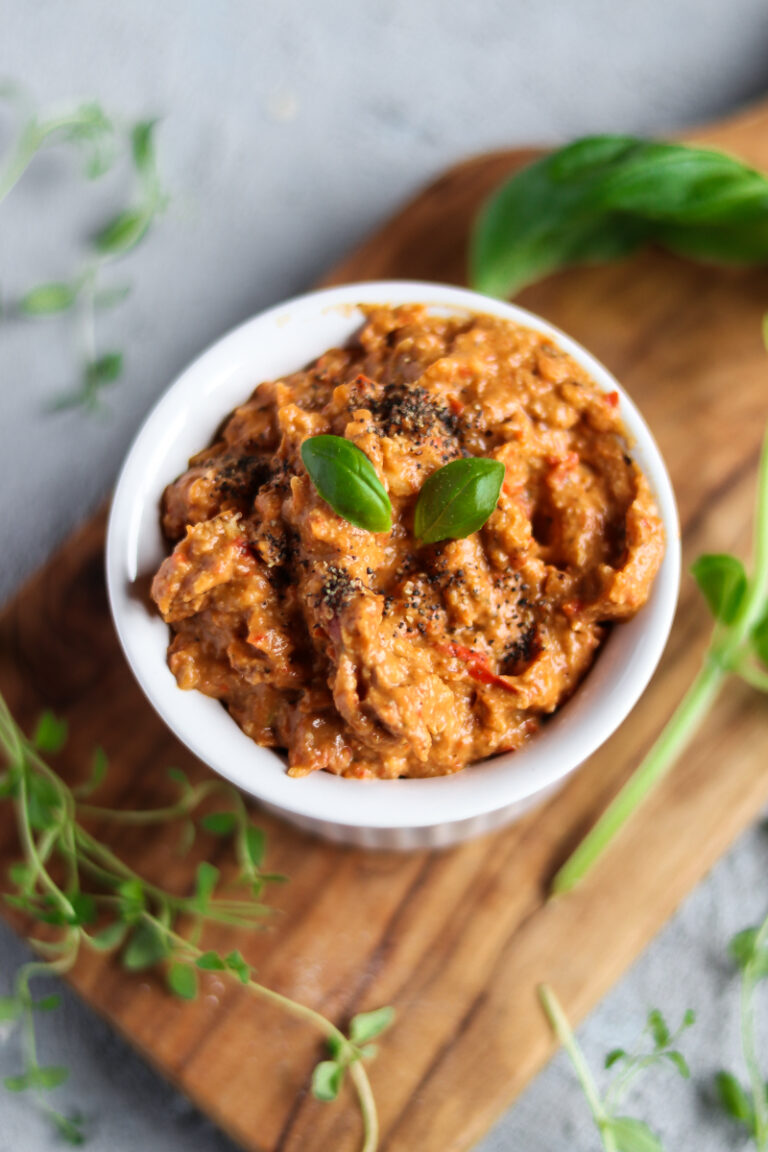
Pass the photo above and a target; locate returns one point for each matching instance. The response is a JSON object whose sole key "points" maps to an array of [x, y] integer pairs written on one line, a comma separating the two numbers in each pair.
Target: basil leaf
{"points": [[602, 197], [723, 581], [457, 499], [345, 478], [47, 299]]}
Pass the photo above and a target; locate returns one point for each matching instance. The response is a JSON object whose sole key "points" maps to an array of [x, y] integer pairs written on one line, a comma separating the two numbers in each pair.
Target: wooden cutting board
{"points": [[456, 940]]}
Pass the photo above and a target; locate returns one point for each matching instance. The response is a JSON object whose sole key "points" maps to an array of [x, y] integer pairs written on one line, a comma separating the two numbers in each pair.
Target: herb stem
{"points": [[40, 872], [726, 654], [564, 1033], [749, 982], [188, 803], [18, 163], [754, 676], [321, 1024], [674, 738]]}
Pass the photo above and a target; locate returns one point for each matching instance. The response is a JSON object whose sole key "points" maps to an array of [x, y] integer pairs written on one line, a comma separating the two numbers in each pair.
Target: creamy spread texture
{"points": [[367, 654]]}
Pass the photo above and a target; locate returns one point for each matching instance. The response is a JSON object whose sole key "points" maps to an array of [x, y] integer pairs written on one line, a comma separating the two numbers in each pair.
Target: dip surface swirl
{"points": [[369, 654]]}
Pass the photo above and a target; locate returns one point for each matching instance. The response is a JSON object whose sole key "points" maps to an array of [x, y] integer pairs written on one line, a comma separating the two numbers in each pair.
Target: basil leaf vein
{"points": [[457, 499], [346, 479]]}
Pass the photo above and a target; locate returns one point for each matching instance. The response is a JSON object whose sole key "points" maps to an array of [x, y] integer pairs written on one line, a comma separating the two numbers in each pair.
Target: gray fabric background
{"points": [[290, 130]]}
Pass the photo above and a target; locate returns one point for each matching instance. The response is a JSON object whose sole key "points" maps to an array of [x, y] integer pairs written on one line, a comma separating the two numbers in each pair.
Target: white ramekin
{"points": [[374, 813]]}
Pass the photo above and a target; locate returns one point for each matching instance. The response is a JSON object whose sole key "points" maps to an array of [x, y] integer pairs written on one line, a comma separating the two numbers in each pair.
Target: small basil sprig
{"points": [[457, 499], [345, 478], [602, 197]]}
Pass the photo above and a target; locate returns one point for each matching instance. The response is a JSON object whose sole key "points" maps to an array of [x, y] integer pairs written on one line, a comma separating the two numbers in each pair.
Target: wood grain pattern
{"points": [[456, 940]]}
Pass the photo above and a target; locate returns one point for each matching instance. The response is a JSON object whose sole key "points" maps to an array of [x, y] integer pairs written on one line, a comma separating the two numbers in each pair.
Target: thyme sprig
{"points": [[72, 883], [748, 1106], [620, 1133], [89, 128]]}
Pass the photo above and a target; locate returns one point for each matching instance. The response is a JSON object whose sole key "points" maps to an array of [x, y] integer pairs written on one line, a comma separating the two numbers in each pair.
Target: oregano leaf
{"points": [[743, 951], [143, 146], [235, 963], [219, 823], [103, 370], [210, 962], [632, 1135], [760, 639], [327, 1079], [368, 1025], [658, 1028], [47, 299], [10, 1008], [182, 980], [255, 845], [206, 879], [50, 733], [110, 937], [146, 947], [735, 1100], [124, 232]]}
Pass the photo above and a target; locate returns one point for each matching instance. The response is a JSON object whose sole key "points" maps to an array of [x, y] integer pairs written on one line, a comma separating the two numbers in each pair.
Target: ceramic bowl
{"points": [[405, 814]]}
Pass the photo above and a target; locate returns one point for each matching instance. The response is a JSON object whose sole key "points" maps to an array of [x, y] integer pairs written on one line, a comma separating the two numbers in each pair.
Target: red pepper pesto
{"points": [[371, 655]]}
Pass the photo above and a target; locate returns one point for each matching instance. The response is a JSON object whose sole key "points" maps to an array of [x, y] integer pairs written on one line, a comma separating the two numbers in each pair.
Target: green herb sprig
{"points": [[620, 1133], [71, 882], [89, 128], [603, 197], [739, 647], [749, 1107]]}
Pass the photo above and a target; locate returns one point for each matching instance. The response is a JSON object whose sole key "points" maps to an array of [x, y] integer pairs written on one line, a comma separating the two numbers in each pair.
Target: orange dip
{"points": [[372, 655]]}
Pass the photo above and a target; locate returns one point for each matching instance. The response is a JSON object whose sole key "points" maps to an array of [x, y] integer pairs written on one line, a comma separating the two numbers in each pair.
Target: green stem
{"points": [[19, 161], [726, 654], [674, 738], [321, 1024], [564, 1033], [754, 602], [188, 803], [753, 675], [749, 982], [30, 848]]}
